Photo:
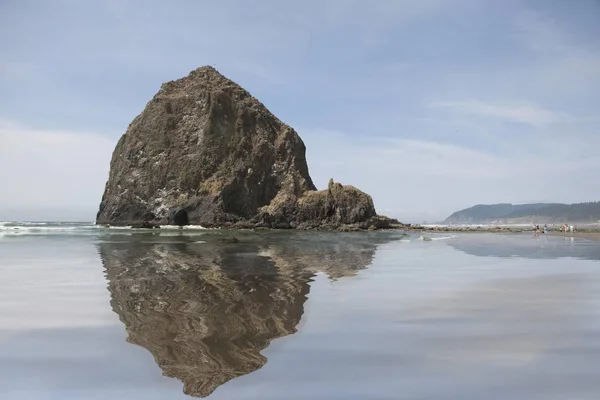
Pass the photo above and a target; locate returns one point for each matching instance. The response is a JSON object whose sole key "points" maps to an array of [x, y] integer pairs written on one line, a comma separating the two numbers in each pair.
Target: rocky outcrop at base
{"points": [[337, 207], [205, 152]]}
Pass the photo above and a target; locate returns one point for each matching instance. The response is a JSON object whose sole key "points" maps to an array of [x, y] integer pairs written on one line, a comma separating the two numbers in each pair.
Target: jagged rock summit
{"points": [[205, 152]]}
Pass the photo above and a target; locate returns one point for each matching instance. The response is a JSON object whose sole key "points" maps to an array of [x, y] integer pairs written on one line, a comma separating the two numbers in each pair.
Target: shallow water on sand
{"points": [[97, 314]]}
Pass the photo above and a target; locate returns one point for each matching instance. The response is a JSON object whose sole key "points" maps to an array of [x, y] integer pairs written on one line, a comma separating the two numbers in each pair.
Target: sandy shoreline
{"points": [[585, 235], [590, 235]]}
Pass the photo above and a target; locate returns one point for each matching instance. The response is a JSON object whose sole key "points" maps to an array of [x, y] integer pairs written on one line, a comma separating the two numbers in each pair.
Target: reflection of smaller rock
{"points": [[229, 239]]}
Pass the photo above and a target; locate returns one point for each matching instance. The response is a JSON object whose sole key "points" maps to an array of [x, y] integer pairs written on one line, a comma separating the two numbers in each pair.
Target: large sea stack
{"points": [[205, 152]]}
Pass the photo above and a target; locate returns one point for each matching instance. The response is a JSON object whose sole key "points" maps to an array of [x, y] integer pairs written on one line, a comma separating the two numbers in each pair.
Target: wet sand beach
{"points": [[584, 235]]}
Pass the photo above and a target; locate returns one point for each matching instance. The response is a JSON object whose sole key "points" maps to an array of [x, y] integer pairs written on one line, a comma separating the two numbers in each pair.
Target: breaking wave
{"points": [[29, 228]]}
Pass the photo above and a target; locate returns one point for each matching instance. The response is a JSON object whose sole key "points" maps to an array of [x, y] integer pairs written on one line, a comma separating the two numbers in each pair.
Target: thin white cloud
{"points": [[568, 63], [541, 34], [417, 180], [524, 113], [45, 169], [548, 36]]}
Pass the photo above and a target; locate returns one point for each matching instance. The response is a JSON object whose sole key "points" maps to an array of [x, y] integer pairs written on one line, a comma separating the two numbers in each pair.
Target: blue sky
{"points": [[429, 106]]}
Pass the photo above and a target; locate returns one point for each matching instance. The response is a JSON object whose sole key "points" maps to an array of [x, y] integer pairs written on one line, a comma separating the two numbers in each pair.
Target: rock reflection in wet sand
{"points": [[206, 310]]}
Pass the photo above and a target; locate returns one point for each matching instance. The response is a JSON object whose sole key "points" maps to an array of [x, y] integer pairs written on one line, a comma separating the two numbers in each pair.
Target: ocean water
{"points": [[97, 313]]}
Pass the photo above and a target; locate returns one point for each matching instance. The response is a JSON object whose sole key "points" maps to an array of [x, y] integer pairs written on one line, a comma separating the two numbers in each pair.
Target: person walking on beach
{"points": [[545, 228]]}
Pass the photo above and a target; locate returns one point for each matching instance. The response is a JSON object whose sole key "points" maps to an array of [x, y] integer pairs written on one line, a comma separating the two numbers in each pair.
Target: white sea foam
{"points": [[186, 227], [36, 228], [432, 238], [29, 230], [21, 228], [10, 228], [489, 225], [443, 237]]}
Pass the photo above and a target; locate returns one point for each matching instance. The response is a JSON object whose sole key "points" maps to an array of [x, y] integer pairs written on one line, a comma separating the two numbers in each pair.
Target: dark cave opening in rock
{"points": [[181, 218]]}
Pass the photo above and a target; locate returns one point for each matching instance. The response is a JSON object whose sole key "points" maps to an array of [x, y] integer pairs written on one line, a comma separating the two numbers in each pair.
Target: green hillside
{"points": [[525, 213]]}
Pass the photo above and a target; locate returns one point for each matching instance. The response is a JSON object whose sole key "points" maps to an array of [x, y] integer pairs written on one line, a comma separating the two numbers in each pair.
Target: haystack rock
{"points": [[205, 152]]}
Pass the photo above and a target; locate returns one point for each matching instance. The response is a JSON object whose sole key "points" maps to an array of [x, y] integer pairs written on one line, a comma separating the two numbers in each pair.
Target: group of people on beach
{"points": [[564, 228], [536, 229], [567, 228]]}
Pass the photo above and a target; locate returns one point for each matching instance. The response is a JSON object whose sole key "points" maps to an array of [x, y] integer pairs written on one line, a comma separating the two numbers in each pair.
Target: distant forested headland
{"points": [[528, 213]]}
